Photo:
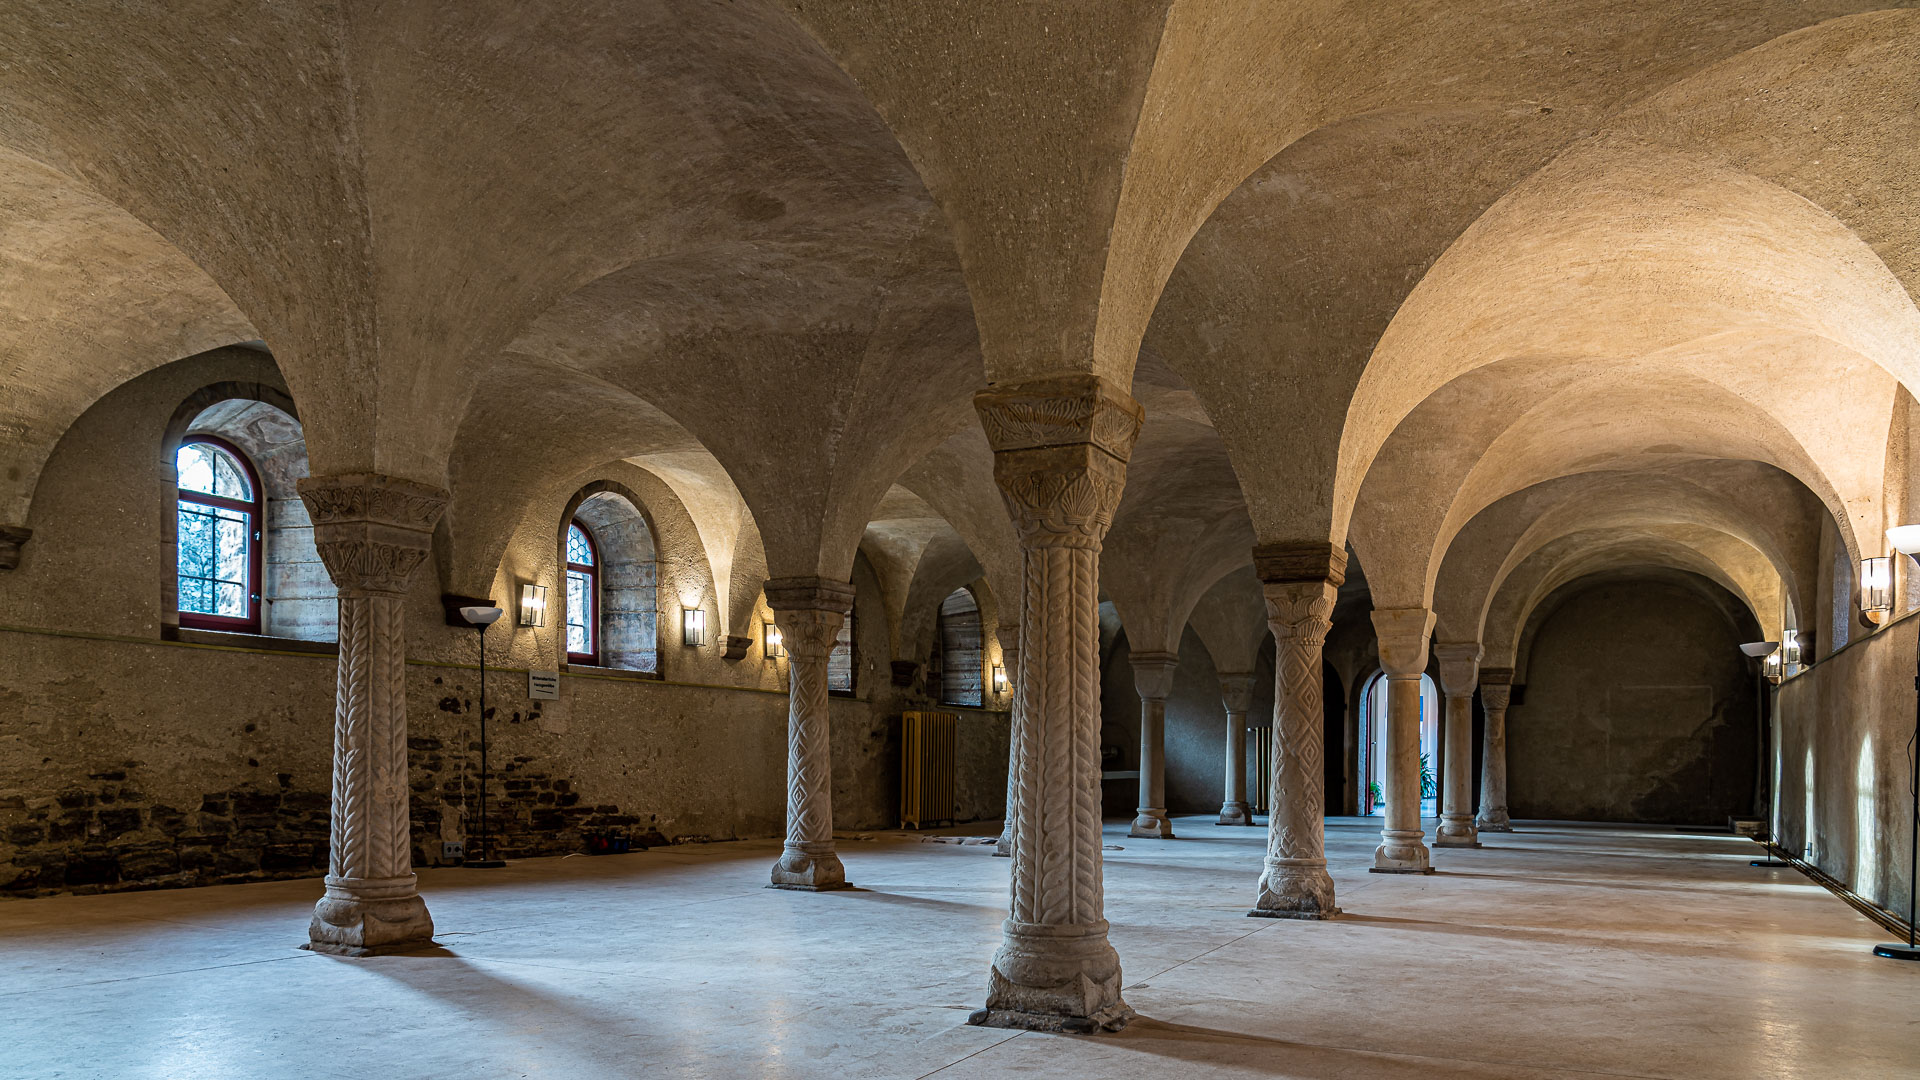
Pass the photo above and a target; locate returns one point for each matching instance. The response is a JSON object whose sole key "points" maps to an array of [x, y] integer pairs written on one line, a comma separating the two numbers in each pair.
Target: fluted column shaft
{"points": [[1301, 583], [1459, 673], [1060, 450], [1010, 656], [372, 532], [1403, 634], [809, 612], [1153, 678], [1236, 694], [1496, 686]]}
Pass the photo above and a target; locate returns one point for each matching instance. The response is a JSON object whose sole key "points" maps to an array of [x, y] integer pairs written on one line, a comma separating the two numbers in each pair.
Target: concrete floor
{"points": [[1557, 951]]}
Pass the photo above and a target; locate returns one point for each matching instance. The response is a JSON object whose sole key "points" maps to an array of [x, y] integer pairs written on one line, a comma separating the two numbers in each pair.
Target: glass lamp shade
{"points": [[772, 642], [693, 626], [1757, 649], [999, 678], [1774, 666], [533, 604], [1905, 539], [1876, 588]]}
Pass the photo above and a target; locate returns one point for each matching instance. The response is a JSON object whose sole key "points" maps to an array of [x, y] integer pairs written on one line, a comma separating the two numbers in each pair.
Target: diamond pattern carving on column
{"points": [[1301, 582]]}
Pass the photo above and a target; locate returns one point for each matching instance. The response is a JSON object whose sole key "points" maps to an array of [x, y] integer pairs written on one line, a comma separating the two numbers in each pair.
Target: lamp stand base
{"points": [[1897, 952], [1768, 862]]}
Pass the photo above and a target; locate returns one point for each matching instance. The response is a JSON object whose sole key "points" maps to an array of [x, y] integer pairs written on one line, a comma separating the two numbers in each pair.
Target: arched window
{"points": [[961, 656], [583, 596], [219, 537], [840, 671]]}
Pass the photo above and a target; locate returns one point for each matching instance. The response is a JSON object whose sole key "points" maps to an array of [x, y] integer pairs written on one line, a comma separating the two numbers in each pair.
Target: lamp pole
{"points": [[480, 618]]}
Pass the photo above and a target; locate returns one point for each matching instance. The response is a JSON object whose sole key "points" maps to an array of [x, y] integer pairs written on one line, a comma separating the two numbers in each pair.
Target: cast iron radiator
{"points": [[926, 769], [1262, 755]]}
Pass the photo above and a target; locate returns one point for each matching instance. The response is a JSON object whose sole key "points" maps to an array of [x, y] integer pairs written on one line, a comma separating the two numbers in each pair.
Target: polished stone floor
{"points": [[1557, 951]]}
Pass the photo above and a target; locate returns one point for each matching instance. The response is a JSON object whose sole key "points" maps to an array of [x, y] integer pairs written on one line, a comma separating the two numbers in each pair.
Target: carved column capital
{"points": [[372, 531], [1236, 691], [1495, 695], [1153, 674], [1403, 634], [808, 594], [12, 539], [1300, 612], [1459, 667], [1060, 450]]}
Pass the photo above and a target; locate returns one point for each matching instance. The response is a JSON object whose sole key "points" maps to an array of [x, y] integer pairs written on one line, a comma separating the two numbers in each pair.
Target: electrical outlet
{"points": [[453, 849]]}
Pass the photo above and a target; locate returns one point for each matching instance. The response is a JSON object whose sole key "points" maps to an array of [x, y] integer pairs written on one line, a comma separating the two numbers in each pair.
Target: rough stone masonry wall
{"points": [[1840, 768]]}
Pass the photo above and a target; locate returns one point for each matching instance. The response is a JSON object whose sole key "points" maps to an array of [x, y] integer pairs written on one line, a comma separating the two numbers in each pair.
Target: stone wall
{"points": [[1840, 770], [1195, 732], [1638, 706]]}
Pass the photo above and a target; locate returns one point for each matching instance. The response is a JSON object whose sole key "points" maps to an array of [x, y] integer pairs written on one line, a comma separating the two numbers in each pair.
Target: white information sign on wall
{"points": [[543, 685]]}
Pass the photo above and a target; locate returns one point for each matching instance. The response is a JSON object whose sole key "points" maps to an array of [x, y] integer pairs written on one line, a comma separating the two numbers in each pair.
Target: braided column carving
{"points": [[1403, 634], [373, 532], [1236, 693], [809, 612], [1459, 673], [1153, 678], [1496, 689], [1010, 655], [1295, 883], [1060, 451]]}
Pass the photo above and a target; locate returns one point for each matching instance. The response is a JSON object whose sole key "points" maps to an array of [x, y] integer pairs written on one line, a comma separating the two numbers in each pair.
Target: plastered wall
{"points": [[1840, 767]]}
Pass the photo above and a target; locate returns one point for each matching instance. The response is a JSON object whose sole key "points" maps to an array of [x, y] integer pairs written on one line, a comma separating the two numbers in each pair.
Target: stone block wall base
{"points": [[809, 873], [1276, 913], [1235, 814], [1399, 869], [352, 927], [1065, 1025], [1152, 827]]}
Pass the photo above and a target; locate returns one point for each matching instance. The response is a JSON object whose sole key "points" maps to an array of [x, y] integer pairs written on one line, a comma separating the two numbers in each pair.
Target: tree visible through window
{"points": [[583, 596], [218, 537]]}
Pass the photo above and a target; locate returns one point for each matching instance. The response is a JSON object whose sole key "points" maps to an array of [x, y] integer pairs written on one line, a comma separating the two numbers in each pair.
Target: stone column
{"points": [[1301, 582], [1496, 686], [1403, 653], [1236, 693], [1010, 656], [1459, 671], [1153, 679], [808, 611], [373, 532], [1060, 452]]}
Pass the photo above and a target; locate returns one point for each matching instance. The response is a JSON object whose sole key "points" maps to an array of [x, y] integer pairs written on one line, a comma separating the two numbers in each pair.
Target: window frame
{"points": [[590, 658], [256, 544]]}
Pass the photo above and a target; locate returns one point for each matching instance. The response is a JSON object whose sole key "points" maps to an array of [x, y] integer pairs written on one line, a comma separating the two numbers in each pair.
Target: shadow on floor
{"points": [[1267, 1056]]}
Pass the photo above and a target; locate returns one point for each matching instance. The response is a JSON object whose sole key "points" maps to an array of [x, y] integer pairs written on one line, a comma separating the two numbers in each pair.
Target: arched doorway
{"points": [[1373, 724]]}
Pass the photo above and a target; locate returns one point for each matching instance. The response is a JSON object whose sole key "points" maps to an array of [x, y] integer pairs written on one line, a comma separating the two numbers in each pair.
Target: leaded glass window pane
{"points": [[214, 559], [579, 608], [579, 549]]}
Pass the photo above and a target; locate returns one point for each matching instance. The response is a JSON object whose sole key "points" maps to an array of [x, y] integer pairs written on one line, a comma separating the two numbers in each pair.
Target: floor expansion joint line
{"points": [[155, 975], [975, 1054]]}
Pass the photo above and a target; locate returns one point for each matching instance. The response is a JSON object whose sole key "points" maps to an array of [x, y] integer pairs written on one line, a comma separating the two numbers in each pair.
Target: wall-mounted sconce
{"points": [[1774, 667], [999, 678], [693, 626], [1876, 589], [533, 604], [770, 641], [1789, 653]]}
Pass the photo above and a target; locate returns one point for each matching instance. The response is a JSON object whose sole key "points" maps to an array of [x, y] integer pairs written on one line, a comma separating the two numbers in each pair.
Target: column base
{"points": [[1003, 847], [1152, 824], [369, 917], [809, 870], [1494, 822], [1455, 832], [1402, 853], [1235, 813], [1054, 978], [1295, 890]]}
